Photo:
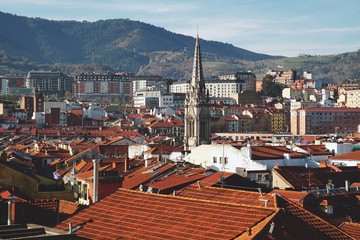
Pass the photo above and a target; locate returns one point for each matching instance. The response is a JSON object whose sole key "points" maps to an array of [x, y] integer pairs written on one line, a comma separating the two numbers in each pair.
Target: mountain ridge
{"points": [[120, 43]]}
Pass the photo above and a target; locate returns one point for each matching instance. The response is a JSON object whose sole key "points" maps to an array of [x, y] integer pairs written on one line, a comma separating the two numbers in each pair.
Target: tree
{"points": [[270, 87]]}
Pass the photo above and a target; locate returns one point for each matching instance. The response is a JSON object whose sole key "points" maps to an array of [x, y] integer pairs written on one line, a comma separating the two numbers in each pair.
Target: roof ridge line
{"points": [[200, 200]]}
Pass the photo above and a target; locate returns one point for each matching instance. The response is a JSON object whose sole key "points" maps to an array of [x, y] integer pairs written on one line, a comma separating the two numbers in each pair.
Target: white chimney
{"points": [[287, 158], [249, 150], [147, 162], [347, 185], [95, 180], [11, 211]]}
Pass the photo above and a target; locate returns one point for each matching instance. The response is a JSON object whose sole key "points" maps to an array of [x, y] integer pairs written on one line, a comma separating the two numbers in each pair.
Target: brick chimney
{"points": [[126, 164]]}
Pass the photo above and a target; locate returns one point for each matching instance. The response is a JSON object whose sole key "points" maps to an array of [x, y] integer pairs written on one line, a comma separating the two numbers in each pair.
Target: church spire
{"points": [[197, 77], [197, 113]]}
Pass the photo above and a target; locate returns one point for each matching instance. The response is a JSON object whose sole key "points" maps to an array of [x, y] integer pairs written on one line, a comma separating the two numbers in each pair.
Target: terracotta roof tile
{"points": [[143, 175], [227, 195], [353, 229], [137, 215], [351, 156], [294, 196], [273, 152], [316, 222], [68, 208], [178, 179]]}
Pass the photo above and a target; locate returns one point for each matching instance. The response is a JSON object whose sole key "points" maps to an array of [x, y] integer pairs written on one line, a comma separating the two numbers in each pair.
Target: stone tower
{"points": [[197, 104]]}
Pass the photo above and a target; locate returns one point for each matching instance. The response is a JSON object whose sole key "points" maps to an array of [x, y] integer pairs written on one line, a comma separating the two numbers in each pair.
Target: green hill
{"points": [[119, 43]]}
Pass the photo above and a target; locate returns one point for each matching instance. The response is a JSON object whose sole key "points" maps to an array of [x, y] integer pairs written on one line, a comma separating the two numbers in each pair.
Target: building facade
{"points": [[147, 98], [197, 115], [352, 98], [325, 120], [216, 87], [49, 82], [89, 85]]}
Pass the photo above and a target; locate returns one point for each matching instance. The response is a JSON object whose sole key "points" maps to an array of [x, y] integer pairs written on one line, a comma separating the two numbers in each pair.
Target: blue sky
{"points": [[276, 27]]}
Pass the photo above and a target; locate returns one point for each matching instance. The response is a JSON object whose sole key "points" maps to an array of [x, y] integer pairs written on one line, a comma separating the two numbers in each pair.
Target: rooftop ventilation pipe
{"points": [[11, 211], [95, 180]]}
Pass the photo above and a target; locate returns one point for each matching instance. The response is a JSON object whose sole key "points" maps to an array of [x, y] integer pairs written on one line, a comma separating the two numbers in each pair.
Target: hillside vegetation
{"points": [[124, 45], [119, 43]]}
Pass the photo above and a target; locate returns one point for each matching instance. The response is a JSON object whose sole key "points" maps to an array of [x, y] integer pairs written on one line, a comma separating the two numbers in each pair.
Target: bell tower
{"points": [[197, 106]]}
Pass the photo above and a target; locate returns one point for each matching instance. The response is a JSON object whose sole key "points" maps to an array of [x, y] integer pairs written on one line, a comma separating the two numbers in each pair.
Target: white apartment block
{"points": [[148, 98], [216, 88], [142, 84]]}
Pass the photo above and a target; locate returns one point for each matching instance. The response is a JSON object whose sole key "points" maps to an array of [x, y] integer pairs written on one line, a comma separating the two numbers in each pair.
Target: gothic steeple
{"points": [[197, 71], [197, 115]]}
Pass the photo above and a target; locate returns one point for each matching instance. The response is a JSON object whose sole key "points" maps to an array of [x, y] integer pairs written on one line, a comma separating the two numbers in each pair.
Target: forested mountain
{"points": [[119, 43], [124, 45]]}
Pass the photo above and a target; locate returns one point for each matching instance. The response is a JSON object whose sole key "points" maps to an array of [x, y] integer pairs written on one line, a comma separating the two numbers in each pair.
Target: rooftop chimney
{"points": [[147, 162], [249, 150], [70, 228], [126, 164], [347, 185], [11, 211], [95, 180]]}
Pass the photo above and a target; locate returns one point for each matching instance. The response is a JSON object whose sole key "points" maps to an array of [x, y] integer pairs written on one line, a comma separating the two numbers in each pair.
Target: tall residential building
{"points": [[142, 83], [197, 115], [247, 77], [49, 82], [89, 85], [324, 120], [216, 87], [11, 82], [148, 98], [222, 86]]}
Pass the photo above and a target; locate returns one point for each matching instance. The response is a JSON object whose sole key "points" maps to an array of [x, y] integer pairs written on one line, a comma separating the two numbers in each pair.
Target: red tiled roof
{"points": [[298, 176], [226, 195], [164, 149], [294, 196], [178, 179], [316, 222], [143, 175], [68, 208], [273, 152], [353, 229], [316, 149], [351, 156], [137, 215], [215, 178]]}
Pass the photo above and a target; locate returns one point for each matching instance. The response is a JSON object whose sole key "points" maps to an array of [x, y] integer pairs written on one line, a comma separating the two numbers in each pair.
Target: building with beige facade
{"points": [[352, 98]]}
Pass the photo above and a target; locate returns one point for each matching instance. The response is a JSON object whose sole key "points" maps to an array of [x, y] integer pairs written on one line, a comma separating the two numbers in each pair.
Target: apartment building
{"points": [[148, 98], [216, 87], [248, 77], [352, 98], [11, 82], [89, 85], [324, 120], [141, 83], [49, 82]]}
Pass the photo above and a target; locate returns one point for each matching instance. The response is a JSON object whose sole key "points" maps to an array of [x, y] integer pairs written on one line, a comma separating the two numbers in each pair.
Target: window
{"points": [[214, 159], [84, 192], [223, 160]]}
